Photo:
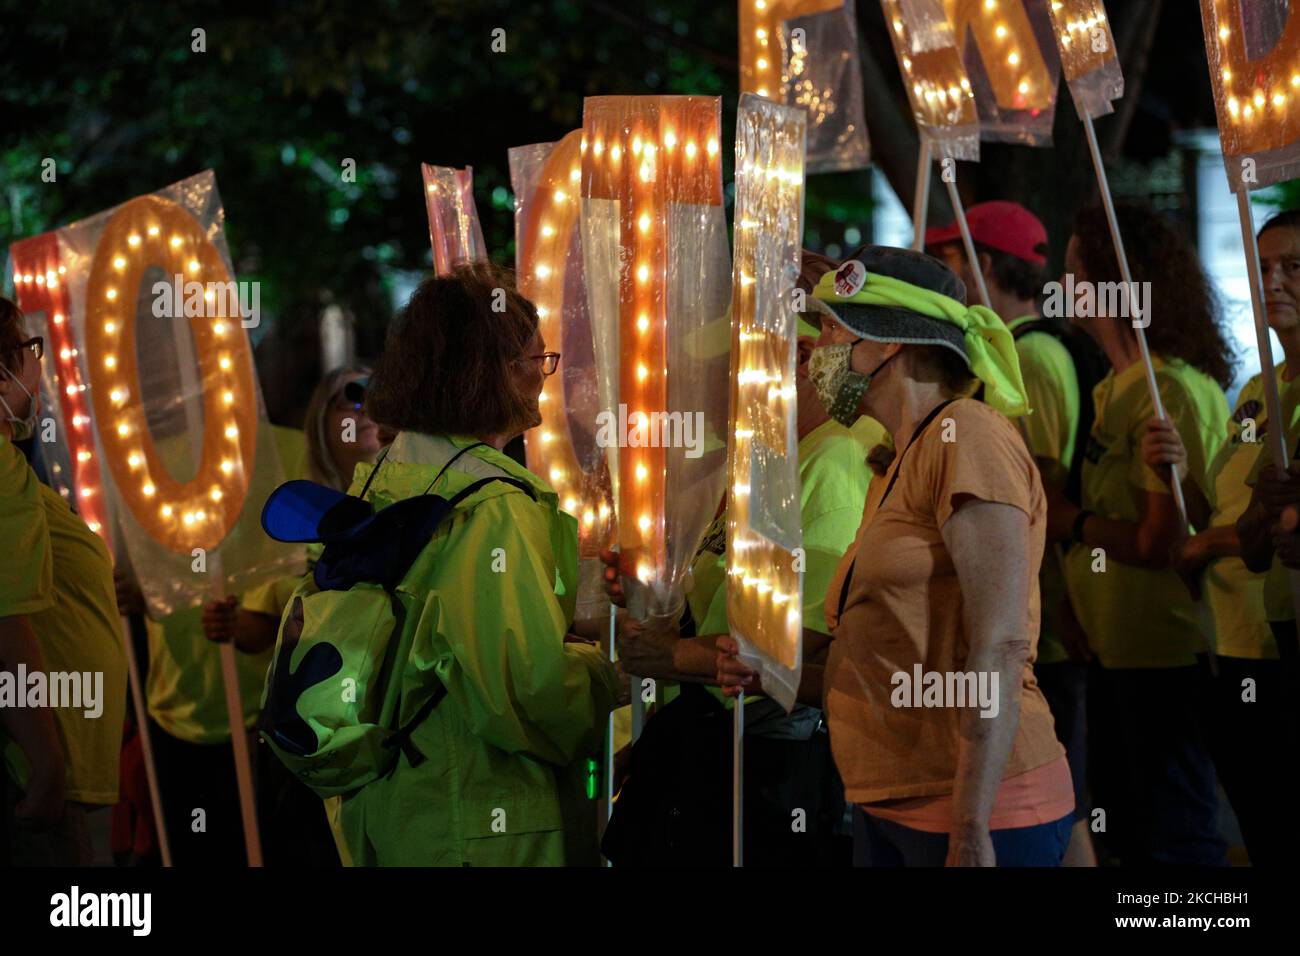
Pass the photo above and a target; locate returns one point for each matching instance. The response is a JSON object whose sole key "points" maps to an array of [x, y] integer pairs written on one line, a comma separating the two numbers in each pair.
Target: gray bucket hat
{"points": [[883, 323]]}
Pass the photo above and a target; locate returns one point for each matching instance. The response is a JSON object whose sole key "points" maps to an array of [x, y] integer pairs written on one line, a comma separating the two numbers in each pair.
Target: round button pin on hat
{"points": [[850, 278]]}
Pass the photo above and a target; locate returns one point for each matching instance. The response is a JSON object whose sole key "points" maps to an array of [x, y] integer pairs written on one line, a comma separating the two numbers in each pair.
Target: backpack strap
{"points": [[401, 738], [450, 461], [474, 486], [1037, 325]]}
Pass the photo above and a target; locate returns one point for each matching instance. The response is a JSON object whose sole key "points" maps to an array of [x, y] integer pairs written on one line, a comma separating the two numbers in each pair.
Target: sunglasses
{"points": [[350, 397]]}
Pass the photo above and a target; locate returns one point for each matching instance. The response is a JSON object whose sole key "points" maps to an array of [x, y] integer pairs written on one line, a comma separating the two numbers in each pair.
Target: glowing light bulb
{"points": [[712, 147], [644, 222], [152, 230], [119, 263], [133, 240], [644, 523], [692, 149], [194, 265], [148, 489], [176, 242], [543, 271], [215, 494], [110, 362], [641, 372], [219, 328], [642, 272], [123, 429], [224, 363], [133, 460], [227, 466], [166, 511], [643, 323], [232, 432], [228, 397], [641, 472], [83, 456], [548, 231], [110, 327], [111, 295]]}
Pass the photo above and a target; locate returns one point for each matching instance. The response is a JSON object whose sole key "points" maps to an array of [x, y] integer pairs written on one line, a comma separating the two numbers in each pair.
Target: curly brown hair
{"points": [[447, 365], [1186, 315]]}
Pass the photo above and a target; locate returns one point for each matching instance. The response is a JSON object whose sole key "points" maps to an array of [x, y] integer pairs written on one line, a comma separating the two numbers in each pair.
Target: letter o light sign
{"points": [[199, 513]]}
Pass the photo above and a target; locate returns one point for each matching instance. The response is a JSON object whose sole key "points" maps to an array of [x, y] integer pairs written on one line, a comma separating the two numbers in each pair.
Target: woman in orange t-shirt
{"points": [[941, 735]]}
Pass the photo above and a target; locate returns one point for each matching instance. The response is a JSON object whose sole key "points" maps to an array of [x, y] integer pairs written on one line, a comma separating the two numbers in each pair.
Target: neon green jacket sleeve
{"points": [[493, 607]]}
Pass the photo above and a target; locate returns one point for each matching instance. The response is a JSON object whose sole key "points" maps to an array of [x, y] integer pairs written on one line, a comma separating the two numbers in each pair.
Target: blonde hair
{"points": [[321, 466]]}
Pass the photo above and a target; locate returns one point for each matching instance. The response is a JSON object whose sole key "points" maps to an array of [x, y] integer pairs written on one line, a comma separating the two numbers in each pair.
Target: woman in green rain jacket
{"points": [[526, 704]]}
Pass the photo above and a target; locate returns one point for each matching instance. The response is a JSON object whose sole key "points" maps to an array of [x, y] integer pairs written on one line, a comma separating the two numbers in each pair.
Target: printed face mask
{"points": [[838, 386], [23, 428]]}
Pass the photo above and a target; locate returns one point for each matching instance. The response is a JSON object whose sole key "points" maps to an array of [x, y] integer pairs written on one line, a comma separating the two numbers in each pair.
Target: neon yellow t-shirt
{"points": [[1235, 594], [60, 576], [1053, 390], [272, 597], [833, 479], [185, 688], [1139, 617]]}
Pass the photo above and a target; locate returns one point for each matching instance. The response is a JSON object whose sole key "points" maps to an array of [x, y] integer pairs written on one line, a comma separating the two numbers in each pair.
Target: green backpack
{"points": [[334, 690]]}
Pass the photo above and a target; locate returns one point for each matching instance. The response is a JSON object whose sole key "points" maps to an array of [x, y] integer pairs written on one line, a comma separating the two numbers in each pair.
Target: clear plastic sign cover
{"points": [[805, 53], [546, 178], [159, 391], [1254, 55], [454, 229], [764, 584], [1089, 59], [938, 88], [654, 247], [1013, 66]]}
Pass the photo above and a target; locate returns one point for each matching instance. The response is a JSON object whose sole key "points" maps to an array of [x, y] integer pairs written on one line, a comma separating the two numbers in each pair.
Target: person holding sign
{"points": [[936, 596], [58, 620], [1252, 718], [1151, 773]]}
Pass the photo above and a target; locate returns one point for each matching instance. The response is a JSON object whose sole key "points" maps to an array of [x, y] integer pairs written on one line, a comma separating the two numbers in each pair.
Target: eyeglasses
{"points": [[550, 361], [36, 344]]}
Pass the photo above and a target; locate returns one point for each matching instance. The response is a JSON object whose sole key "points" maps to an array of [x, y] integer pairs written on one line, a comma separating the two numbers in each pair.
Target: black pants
{"points": [[1065, 685], [1255, 745], [1149, 765], [200, 799]]}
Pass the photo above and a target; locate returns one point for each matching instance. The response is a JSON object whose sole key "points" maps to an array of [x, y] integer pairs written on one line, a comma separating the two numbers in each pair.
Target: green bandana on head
{"points": [[990, 346]]}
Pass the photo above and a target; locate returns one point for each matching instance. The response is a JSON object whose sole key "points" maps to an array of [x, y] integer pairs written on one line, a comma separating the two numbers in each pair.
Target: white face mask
{"points": [[23, 428]]}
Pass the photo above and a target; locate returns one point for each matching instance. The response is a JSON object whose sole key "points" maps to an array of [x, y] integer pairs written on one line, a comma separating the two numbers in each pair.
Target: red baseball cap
{"points": [[1005, 226]]}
